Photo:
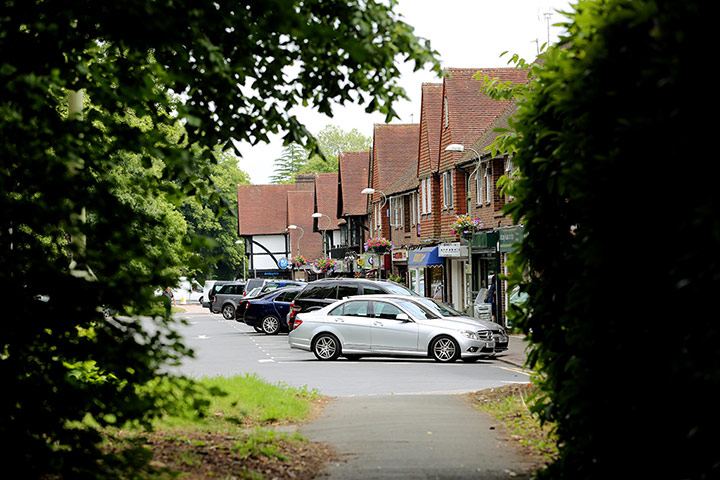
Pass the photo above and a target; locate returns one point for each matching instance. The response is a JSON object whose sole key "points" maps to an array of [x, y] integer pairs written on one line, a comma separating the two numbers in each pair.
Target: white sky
{"points": [[466, 33]]}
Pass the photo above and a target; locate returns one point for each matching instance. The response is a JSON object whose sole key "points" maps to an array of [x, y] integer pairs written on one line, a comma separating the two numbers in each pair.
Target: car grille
{"points": [[485, 334]]}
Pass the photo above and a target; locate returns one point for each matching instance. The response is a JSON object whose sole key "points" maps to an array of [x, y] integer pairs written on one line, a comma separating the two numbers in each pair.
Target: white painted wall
{"points": [[274, 243]]}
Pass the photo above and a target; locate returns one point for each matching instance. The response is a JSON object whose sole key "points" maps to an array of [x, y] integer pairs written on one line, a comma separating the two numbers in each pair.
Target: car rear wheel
{"points": [[228, 311], [271, 325], [445, 349], [326, 347]]}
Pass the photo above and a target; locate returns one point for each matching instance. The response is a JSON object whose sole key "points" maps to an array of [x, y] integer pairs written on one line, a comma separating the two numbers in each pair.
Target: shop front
{"points": [[399, 258], [457, 287], [425, 272]]}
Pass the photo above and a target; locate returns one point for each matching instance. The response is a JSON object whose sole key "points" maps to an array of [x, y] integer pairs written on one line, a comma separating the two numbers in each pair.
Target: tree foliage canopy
{"points": [[331, 141], [103, 191], [620, 252]]}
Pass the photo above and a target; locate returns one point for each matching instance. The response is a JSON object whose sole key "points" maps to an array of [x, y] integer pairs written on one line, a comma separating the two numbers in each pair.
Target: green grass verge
{"points": [[245, 401]]}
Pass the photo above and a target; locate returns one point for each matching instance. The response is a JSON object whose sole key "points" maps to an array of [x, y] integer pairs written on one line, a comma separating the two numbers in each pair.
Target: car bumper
{"points": [[470, 348], [501, 343]]}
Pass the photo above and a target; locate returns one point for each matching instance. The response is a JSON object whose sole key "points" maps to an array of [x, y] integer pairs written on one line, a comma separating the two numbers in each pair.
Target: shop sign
{"points": [[365, 261], [455, 250], [510, 237], [400, 255], [485, 240]]}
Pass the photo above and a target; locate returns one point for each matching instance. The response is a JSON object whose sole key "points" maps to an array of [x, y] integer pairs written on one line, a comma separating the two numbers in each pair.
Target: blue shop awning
{"points": [[424, 257]]}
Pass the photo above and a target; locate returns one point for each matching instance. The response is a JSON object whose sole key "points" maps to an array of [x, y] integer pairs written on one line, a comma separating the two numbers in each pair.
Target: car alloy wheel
{"points": [[228, 312], [271, 325], [326, 347], [445, 349]]}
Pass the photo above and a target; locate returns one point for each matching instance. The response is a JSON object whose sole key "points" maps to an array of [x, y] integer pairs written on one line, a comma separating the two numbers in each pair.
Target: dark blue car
{"points": [[268, 313]]}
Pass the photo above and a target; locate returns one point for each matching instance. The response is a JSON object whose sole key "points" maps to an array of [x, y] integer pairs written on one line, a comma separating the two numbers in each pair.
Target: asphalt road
{"points": [[226, 348]]}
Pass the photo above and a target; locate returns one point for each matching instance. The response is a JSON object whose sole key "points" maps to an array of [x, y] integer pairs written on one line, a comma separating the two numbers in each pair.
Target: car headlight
{"points": [[470, 335]]}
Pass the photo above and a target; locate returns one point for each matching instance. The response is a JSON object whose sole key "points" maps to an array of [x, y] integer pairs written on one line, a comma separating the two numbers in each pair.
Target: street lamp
{"points": [[457, 147], [238, 242], [302, 232], [320, 215], [370, 191]]}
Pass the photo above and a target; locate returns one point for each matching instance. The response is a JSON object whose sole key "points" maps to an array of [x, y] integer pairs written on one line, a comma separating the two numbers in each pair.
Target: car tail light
{"points": [[296, 323]]}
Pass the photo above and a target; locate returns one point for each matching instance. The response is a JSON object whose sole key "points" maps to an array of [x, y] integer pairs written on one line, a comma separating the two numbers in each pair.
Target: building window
{"points": [[478, 186], [413, 209], [488, 182], [447, 189], [396, 212], [425, 196]]}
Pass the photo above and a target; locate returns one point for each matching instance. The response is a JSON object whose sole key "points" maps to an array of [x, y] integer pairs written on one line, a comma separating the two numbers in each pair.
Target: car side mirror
{"points": [[402, 317]]}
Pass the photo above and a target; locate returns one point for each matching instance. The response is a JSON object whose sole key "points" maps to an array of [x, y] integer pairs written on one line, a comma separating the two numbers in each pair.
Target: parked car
{"points": [[226, 299], [388, 325], [498, 332], [253, 283], [268, 312], [271, 285], [268, 287], [323, 292], [211, 288]]}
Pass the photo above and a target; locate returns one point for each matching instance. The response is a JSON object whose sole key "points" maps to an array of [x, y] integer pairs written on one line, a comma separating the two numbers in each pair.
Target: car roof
{"points": [[353, 280]]}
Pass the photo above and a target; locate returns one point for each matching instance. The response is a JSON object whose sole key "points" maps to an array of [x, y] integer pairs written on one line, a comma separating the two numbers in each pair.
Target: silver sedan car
{"points": [[388, 325], [498, 332]]}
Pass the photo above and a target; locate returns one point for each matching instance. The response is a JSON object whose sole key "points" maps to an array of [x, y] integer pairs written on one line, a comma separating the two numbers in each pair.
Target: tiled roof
{"points": [[326, 198], [262, 209], [407, 180], [490, 134], [353, 177], [430, 125], [468, 112], [395, 147]]}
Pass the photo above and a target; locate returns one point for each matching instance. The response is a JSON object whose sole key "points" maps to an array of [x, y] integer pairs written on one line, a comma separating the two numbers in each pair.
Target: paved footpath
{"points": [[415, 437]]}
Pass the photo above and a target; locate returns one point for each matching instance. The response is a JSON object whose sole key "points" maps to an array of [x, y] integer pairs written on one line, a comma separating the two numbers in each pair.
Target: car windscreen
{"points": [[417, 310], [400, 290], [439, 308]]}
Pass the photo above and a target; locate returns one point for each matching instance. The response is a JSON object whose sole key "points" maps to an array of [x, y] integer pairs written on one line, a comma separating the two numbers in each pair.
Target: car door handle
{"points": [[339, 320], [379, 324]]}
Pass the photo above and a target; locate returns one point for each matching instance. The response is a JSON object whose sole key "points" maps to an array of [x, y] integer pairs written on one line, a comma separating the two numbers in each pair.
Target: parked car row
{"points": [[362, 317], [226, 297]]}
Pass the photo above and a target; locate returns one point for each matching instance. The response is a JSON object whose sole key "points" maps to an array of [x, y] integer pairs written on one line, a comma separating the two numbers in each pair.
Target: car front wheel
{"points": [[445, 349], [228, 312], [326, 347], [271, 325]]}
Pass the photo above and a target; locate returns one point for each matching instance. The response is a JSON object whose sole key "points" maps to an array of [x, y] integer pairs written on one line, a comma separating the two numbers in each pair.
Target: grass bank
{"points": [[246, 429]]}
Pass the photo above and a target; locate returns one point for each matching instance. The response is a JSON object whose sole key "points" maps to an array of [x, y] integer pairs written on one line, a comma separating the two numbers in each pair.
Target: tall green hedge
{"points": [[621, 257]]}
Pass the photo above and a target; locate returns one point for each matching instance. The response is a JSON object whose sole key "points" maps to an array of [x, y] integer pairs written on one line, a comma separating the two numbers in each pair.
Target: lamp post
{"points": [[320, 215], [371, 191], [302, 233], [457, 147], [238, 242]]}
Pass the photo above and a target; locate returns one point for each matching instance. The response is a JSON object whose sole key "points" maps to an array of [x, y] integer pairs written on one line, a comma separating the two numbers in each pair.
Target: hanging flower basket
{"points": [[378, 245], [299, 261], [465, 226], [325, 265]]}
